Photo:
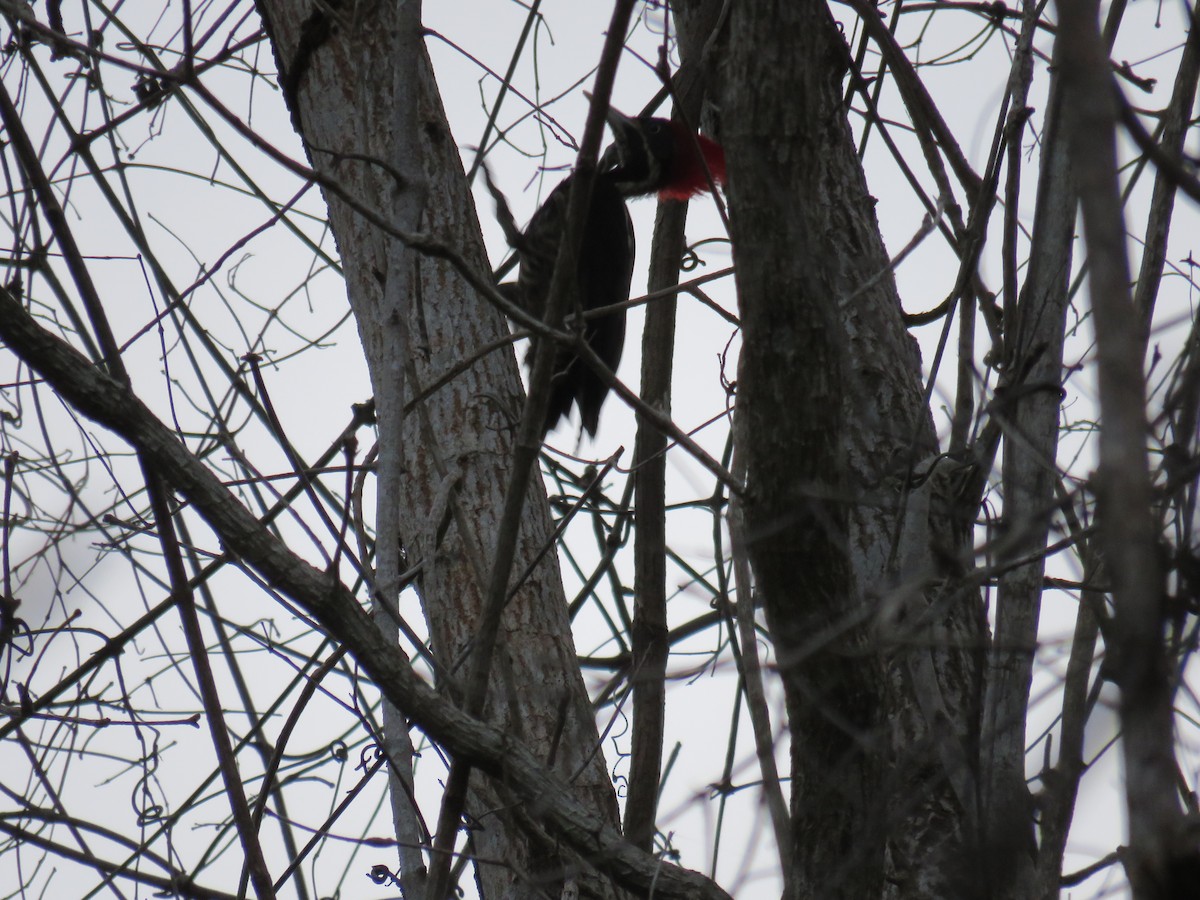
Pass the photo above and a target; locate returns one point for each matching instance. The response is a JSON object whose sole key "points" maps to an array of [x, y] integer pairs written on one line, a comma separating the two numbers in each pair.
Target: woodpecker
{"points": [[648, 156]]}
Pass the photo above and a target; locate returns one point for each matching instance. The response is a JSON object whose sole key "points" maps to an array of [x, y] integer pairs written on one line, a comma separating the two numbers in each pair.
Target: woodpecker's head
{"points": [[660, 156]]}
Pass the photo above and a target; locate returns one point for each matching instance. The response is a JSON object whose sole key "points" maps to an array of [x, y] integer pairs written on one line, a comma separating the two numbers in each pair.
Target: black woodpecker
{"points": [[648, 156]]}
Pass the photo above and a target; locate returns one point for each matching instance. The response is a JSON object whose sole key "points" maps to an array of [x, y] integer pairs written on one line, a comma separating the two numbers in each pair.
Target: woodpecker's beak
{"points": [[619, 122], [641, 152], [624, 129]]}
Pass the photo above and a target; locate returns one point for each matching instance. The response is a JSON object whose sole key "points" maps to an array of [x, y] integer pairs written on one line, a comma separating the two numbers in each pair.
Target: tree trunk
{"points": [[458, 440], [860, 567]]}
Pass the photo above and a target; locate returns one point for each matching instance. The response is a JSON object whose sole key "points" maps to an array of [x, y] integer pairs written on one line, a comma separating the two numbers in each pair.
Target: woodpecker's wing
{"points": [[539, 250], [605, 273], [648, 156]]}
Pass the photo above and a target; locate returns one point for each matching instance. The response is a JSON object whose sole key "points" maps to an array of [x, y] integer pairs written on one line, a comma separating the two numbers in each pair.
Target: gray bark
{"points": [[458, 441], [877, 635]]}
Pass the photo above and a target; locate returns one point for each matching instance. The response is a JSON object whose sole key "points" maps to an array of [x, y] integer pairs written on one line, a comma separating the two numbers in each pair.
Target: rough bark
{"points": [[778, 136], [861, 571], [457, 441]]}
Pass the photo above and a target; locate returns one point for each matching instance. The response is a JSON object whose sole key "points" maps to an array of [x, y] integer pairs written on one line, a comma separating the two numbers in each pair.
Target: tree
{"points": [[884, 575]]}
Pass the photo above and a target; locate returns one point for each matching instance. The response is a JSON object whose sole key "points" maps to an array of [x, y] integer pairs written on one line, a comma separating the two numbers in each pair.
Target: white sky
{"points": [[194, 217]]}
